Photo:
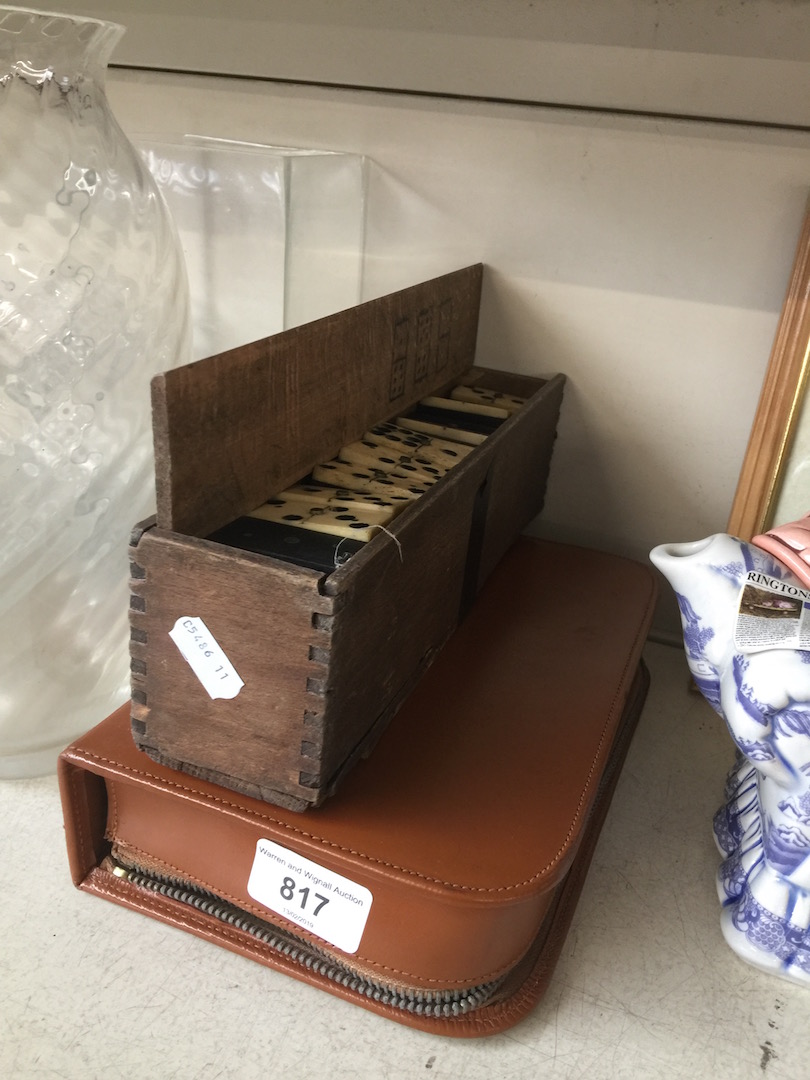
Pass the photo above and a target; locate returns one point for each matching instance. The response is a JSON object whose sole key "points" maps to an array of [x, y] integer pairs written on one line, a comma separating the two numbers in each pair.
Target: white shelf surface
{"points": [[645, 988]]}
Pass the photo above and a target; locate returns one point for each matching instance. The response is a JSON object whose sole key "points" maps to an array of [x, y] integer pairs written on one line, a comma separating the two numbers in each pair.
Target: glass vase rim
{"points": [[64, 16]]}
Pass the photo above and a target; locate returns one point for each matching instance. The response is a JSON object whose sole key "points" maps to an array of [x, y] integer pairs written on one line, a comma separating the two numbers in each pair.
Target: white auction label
{"points": [[325, 903], [205, 657]]}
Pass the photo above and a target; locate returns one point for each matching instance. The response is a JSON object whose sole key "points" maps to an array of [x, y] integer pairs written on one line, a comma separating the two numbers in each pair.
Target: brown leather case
{"points": [[471, 825]]}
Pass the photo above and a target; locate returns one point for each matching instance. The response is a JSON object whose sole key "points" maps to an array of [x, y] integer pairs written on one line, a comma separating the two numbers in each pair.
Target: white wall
{"points": [[647, 259], [739, 58], [644, 256]]}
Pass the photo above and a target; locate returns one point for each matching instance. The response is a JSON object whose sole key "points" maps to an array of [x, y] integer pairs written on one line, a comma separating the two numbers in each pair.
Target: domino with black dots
{"points": [[477, 395], [438, 451], [328, 495], [383, 459], [372, 481], [336, 520]]}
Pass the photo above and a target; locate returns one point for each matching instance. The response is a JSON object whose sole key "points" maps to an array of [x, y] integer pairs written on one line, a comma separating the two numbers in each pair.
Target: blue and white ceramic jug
{"points": [[743, 614]]}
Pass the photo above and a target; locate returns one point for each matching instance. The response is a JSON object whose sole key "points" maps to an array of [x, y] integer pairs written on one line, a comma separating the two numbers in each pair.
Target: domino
{"points": [[435, 428], [302, 547], [321, 521], [327, 495], [337, 520], [343, 475], [402, 470], [478, 395], [382, 458], [439, 451], [477, 408]]}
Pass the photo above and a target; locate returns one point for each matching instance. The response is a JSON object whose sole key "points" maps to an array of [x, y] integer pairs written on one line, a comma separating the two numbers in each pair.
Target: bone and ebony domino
{"points": [[313, 529], [461, 421], [373, 481], [322, 521], [438, 451], [328, 495], [303, 547], [477, 395], [337, 519], [368, 455]]}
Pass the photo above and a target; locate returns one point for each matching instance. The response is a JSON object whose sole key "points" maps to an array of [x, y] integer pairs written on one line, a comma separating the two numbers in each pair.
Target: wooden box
{"points": [[325, 658]]}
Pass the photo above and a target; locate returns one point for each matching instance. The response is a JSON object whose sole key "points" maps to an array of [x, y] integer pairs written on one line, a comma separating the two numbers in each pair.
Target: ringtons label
{"points": [[773, 613]]}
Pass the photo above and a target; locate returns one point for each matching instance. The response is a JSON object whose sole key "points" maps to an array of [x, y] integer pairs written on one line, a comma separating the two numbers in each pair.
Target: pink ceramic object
{"points": [[790, 544]]}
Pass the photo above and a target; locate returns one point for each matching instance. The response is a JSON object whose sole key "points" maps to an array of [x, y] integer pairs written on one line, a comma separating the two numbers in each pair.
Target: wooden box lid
{"points": [[234, 429]]}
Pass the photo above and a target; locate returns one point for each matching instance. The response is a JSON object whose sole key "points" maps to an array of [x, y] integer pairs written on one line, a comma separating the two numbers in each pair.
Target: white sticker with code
{"points": [[323, 902], [205, 657]]}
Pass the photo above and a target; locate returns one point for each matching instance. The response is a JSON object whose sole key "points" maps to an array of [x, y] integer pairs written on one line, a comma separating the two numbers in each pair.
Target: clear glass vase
{"points": [[93, 302]]}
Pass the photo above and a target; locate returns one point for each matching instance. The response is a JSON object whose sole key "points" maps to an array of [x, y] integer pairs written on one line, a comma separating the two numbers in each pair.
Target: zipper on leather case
{"points": [[421, 1002]]}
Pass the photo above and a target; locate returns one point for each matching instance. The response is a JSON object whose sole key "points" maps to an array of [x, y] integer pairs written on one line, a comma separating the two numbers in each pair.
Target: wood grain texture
{"points": [[326, 659], [521, 455], [779, 405], [395, 609], [273, 625], [234, 429]]}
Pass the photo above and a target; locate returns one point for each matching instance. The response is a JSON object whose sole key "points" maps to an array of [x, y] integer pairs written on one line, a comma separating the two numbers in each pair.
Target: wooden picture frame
{"points": [[761, 498]]}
